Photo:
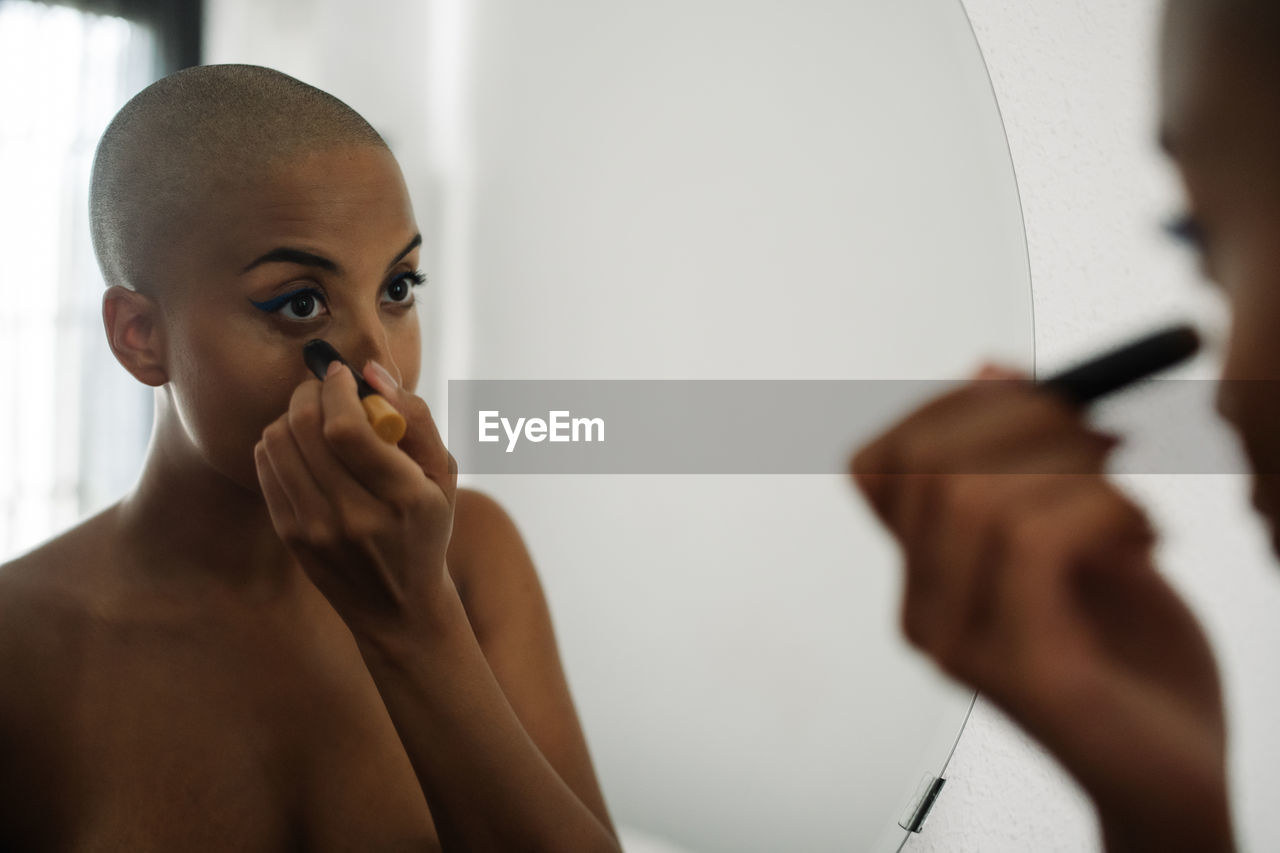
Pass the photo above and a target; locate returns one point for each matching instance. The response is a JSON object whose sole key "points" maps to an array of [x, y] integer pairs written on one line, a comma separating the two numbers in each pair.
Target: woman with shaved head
{"points": [[290, 634], [1036, 585]]}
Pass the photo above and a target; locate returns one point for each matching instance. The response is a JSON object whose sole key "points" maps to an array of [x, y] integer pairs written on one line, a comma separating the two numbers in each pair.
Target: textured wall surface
{"points": [[1076, 80]]}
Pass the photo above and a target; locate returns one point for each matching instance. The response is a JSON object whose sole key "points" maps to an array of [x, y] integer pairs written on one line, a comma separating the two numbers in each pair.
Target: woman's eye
{"points": [[305, 304], [302, 306], [1186, 229], [399, 290]]}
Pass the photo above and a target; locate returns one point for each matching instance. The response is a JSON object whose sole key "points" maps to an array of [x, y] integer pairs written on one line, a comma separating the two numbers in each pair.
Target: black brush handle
{"points": [[1118, 368], [318, 354], [386, 421]]}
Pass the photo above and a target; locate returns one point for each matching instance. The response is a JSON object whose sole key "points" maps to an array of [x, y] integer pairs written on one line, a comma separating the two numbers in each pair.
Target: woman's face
{"points": [[323, 247], [1220, 101]]}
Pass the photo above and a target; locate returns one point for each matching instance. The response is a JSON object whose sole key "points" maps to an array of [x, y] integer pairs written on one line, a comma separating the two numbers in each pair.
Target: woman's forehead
{"points": [[361, 174], [336, 198]]}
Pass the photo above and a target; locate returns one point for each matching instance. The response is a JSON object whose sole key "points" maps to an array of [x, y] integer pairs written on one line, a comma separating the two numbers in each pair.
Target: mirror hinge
{"points": [[922, 803]]}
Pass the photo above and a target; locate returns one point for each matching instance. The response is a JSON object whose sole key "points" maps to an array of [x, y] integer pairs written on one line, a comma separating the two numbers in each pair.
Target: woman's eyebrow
{"points": [[286, 255], [413, 244]]}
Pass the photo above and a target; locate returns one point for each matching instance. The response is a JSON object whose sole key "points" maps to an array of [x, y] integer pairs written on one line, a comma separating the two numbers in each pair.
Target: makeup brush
{"points": [[1125, 365], [388, 423]]}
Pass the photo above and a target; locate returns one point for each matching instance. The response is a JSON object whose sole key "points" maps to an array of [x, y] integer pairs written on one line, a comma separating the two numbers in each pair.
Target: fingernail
{"points": [[384, 377], [334, 367], [995, 371], [987, 372]]}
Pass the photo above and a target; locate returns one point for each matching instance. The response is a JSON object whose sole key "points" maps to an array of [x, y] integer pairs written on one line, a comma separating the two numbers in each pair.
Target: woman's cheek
{"points": [[251, 394], [1249, 394], [407, 351]]}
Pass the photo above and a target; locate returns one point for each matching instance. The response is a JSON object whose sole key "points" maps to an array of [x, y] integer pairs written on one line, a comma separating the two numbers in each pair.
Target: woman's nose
{"points": [[1220, 401], [368, 342]]}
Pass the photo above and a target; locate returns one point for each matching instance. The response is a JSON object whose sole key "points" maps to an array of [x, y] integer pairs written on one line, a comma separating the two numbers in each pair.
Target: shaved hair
{"points": [[1243, 33], [189, 134], [1260, 18]]}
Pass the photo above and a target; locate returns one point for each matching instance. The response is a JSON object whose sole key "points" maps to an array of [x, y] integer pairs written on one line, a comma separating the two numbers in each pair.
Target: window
{"points": [[73, 423]]}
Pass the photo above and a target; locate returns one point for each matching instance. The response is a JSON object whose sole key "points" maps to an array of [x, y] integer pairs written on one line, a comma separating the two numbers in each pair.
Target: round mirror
{"points": [[709, 190], [706, 189]]}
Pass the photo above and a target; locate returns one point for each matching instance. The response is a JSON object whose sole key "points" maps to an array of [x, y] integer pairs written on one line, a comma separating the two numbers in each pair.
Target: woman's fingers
{"points": [[422, 438], [913, 445], [952, 574], [1003, 600], [333, 469], [306, 417], [312, 515], [1087, 524], [936, 474], [956, 483], [1047, 636], [385, 470]]}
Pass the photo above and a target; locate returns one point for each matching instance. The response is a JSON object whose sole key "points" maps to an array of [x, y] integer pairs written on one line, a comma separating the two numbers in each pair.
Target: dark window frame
{"points": [[178, 25]]}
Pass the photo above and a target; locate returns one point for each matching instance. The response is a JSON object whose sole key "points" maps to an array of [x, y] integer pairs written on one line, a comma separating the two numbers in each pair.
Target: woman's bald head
{"points": [[1246, 23], [189, 135], [1220, 74]]}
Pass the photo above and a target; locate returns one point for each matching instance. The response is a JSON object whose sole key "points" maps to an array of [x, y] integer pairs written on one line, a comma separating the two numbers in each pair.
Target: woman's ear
{"points": [[134, 332]]}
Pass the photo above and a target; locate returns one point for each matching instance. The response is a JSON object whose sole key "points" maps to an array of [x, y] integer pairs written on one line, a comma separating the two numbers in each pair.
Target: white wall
{"points": [[1075, 82]]}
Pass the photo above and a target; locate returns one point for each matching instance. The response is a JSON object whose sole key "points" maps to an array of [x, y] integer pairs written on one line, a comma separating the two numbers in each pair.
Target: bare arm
{"points": [[508, 612], [489, 786]]}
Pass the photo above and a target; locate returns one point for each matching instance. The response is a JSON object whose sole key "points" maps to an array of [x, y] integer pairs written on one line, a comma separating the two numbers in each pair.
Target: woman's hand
{"points": [[1029, 576], [368, 521], [371, 523]]}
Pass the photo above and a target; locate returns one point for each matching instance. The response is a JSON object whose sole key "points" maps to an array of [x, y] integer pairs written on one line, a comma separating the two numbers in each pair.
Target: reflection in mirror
{"points": [[700, 189]]}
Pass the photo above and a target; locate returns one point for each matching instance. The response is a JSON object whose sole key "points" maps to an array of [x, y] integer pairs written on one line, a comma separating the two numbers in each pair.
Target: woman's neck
{"points": [[186, 521]]}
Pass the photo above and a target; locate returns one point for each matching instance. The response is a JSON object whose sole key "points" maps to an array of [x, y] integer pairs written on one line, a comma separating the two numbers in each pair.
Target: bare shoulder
{"points": [[488, 560], [44, 598], [60, 569], [481, 528]]}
